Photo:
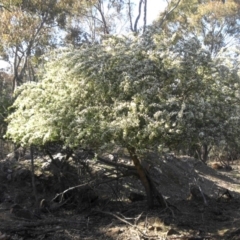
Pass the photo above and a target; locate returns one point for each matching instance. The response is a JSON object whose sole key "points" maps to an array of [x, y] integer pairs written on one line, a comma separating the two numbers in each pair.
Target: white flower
{"points": [[201, 134], [166, 125]]}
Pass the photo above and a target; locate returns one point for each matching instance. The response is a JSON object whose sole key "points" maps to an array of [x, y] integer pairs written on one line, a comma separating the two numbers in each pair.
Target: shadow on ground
{"points": [[102, 210]]}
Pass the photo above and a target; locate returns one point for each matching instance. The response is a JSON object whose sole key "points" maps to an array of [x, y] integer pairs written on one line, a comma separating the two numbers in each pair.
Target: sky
{"points": [[154, 8]]}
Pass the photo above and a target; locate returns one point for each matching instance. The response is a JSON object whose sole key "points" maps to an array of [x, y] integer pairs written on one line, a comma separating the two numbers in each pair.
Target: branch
{"points": [[115, 164], [98, 7], [84, 185], [171, 10], [70, 189], [139, 15], [123, 219], [145, 16], [130, 15], [1, 6]]}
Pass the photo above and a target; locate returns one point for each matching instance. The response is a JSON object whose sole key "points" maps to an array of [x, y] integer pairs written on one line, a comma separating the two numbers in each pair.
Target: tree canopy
{"points": [[160, 90], [128, 91]]}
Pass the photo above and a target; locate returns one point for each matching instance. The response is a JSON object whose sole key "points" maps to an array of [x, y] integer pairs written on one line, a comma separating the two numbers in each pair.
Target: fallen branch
{"points": [[70, 189], [115, 164], [123, 219], [87, 184]]}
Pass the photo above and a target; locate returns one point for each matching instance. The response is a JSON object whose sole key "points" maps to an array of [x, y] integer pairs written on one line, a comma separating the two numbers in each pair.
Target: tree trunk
{"points": [[150, 189], [142, 176], [206, 151]]}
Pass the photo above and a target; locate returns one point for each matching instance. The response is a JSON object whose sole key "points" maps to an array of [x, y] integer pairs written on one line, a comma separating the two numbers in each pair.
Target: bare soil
{"points": [[203, 203]]}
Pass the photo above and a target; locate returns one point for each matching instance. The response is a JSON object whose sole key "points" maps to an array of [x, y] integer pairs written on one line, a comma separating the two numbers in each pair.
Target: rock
{"points": [[46, 166]]}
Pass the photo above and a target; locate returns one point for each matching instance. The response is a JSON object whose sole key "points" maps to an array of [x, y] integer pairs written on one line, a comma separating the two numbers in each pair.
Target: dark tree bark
{"points": [[139, 15], [150, 188], [142, 176], [145, 16]]}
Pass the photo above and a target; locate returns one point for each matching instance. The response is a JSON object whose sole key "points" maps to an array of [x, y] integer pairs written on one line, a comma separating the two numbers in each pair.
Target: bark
{"points": [[130, 15], [139, 15], [99, 7], [205, 152], [145, 16], [142, 176]]}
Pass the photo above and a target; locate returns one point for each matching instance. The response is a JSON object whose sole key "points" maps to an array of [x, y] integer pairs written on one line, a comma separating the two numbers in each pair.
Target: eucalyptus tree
{"points": [[106, 17], [30, 28], [214, 23]]}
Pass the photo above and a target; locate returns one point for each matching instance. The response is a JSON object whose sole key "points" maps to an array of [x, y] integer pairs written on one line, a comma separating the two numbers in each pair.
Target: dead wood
{"points": [[123, 219], [89, 184], [51, 207], [61, 195], [115, 164]]}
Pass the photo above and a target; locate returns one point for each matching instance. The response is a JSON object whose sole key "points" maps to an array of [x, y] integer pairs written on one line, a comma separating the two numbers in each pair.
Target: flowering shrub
{"points": [[129, 91]]}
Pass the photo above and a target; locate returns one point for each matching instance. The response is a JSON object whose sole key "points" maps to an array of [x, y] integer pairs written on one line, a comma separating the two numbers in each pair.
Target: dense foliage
{"points": [[5, 101], [130, 91]]}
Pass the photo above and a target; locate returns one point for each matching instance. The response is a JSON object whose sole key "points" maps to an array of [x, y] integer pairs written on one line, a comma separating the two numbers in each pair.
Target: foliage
{"points": [[5, 101], [215, 23], [28, 29], [215, 26], [129, 91]]}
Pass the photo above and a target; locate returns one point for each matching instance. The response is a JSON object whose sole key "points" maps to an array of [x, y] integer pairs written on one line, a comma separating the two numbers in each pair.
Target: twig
{"points": [[167, 13], [84, 185], [135, 219], [115, 164], [127, 222], [70, 189], [1, 6], [116, 216]]}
